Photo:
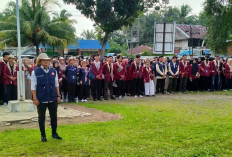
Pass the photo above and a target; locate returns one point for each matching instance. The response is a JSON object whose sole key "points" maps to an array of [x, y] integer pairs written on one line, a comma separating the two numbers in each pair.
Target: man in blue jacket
{"points": [[46, 94]]}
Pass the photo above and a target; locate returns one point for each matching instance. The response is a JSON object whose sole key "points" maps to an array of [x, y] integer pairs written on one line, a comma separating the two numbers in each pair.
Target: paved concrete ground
{"points": [[63, 112]]}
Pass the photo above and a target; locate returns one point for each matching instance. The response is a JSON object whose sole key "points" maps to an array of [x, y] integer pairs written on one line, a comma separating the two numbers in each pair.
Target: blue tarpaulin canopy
{"points": [[207, 52], [110, 54], [83, 45], [186, 52]]}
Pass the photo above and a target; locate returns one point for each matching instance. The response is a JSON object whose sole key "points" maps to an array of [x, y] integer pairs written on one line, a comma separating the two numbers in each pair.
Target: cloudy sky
{"points": [[84, 23]]}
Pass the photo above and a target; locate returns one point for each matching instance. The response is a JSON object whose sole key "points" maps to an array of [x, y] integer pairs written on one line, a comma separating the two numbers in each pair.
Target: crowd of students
{"points": [[80, 79]]}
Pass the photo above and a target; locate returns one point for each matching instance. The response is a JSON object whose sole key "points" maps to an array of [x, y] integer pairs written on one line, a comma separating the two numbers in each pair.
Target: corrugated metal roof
{"points": [[198, 31], [83, 45]]}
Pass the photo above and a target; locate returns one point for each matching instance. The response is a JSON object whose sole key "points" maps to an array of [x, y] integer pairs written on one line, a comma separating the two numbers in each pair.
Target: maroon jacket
{"points": [[133, 71], [7, 74], [146, 74], [226, 71], [205, 69], [97, 71], [106, 72], [2, 65], [183, 69], [213, 70], [191, 74], [117, 75]]}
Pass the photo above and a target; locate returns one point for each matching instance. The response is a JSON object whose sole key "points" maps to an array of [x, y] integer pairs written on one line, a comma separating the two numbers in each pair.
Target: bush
{"points": [[146, 53]]}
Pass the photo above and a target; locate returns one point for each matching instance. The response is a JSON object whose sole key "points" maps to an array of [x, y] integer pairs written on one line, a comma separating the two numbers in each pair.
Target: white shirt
{"points": [[34, 79]]}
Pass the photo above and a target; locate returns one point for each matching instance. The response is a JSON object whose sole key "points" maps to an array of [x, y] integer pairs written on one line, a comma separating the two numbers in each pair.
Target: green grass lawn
{"points": [[149, 127]]}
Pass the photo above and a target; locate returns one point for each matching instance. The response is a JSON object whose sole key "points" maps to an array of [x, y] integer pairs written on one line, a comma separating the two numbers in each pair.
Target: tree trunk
{"points": [[104, 45], [37, 49]]}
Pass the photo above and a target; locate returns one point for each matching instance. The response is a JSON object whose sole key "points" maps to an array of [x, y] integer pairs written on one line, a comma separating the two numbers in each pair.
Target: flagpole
{"points": [[20, 74]]}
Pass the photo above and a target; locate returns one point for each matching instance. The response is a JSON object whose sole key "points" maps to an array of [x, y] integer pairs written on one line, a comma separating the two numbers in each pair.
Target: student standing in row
{"points": [[215, 73], [3, 88], [84, 81], [194, 75], [148, 78], [136, 75], [183, 73], [10, 74], [108, 69], [173, 74], [71, 75], [97, 68], [205, 74], [120, 76], [161, 73]]}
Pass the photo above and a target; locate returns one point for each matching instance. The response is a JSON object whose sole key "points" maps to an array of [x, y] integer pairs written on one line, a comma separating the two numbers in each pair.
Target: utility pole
{"points": [[138, 32], [191, 39], [132, 36]]}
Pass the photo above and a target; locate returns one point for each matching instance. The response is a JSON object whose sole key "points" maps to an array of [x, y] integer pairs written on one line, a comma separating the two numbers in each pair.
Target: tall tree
{"points": [[36, 26], [111, 15], [88, 34], [219, 23]]}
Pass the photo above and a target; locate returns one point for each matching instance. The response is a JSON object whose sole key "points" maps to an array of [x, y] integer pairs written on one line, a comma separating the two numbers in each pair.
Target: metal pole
{"points": [[138, 31], [163, 49], [20, 74]]}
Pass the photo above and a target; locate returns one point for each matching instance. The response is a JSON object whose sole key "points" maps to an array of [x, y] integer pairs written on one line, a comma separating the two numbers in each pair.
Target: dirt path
{"points": [[96, 116]]}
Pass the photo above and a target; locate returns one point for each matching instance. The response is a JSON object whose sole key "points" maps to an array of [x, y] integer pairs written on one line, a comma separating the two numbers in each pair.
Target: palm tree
{"points": [[64, 16], [184, 12], [88, 34], [36, 26]]}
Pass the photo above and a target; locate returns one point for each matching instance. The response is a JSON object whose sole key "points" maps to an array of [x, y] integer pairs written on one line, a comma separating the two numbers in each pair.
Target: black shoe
{"points": [[56, 136], [99, 99], [43, 139]]}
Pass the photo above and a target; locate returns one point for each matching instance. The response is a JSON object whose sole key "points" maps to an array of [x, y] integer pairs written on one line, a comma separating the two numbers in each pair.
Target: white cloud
{"points": [[197, 5]]}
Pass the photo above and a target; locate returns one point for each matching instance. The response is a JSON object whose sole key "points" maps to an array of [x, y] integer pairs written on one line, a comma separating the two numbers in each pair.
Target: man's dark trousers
{"points": [[52, 108]]}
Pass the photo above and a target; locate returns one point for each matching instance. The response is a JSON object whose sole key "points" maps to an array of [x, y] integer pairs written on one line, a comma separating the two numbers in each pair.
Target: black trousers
{"points": [[77, 91], [52, 108], [227, 84], [121, 87], [84, 91], [108, 85], [172, 84], [160, 86], [194, 85], [183, 84], [1, 91], [11, 92], [71, 91], [205, 83], [96, 88], [64, 87], [136, 86]]}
